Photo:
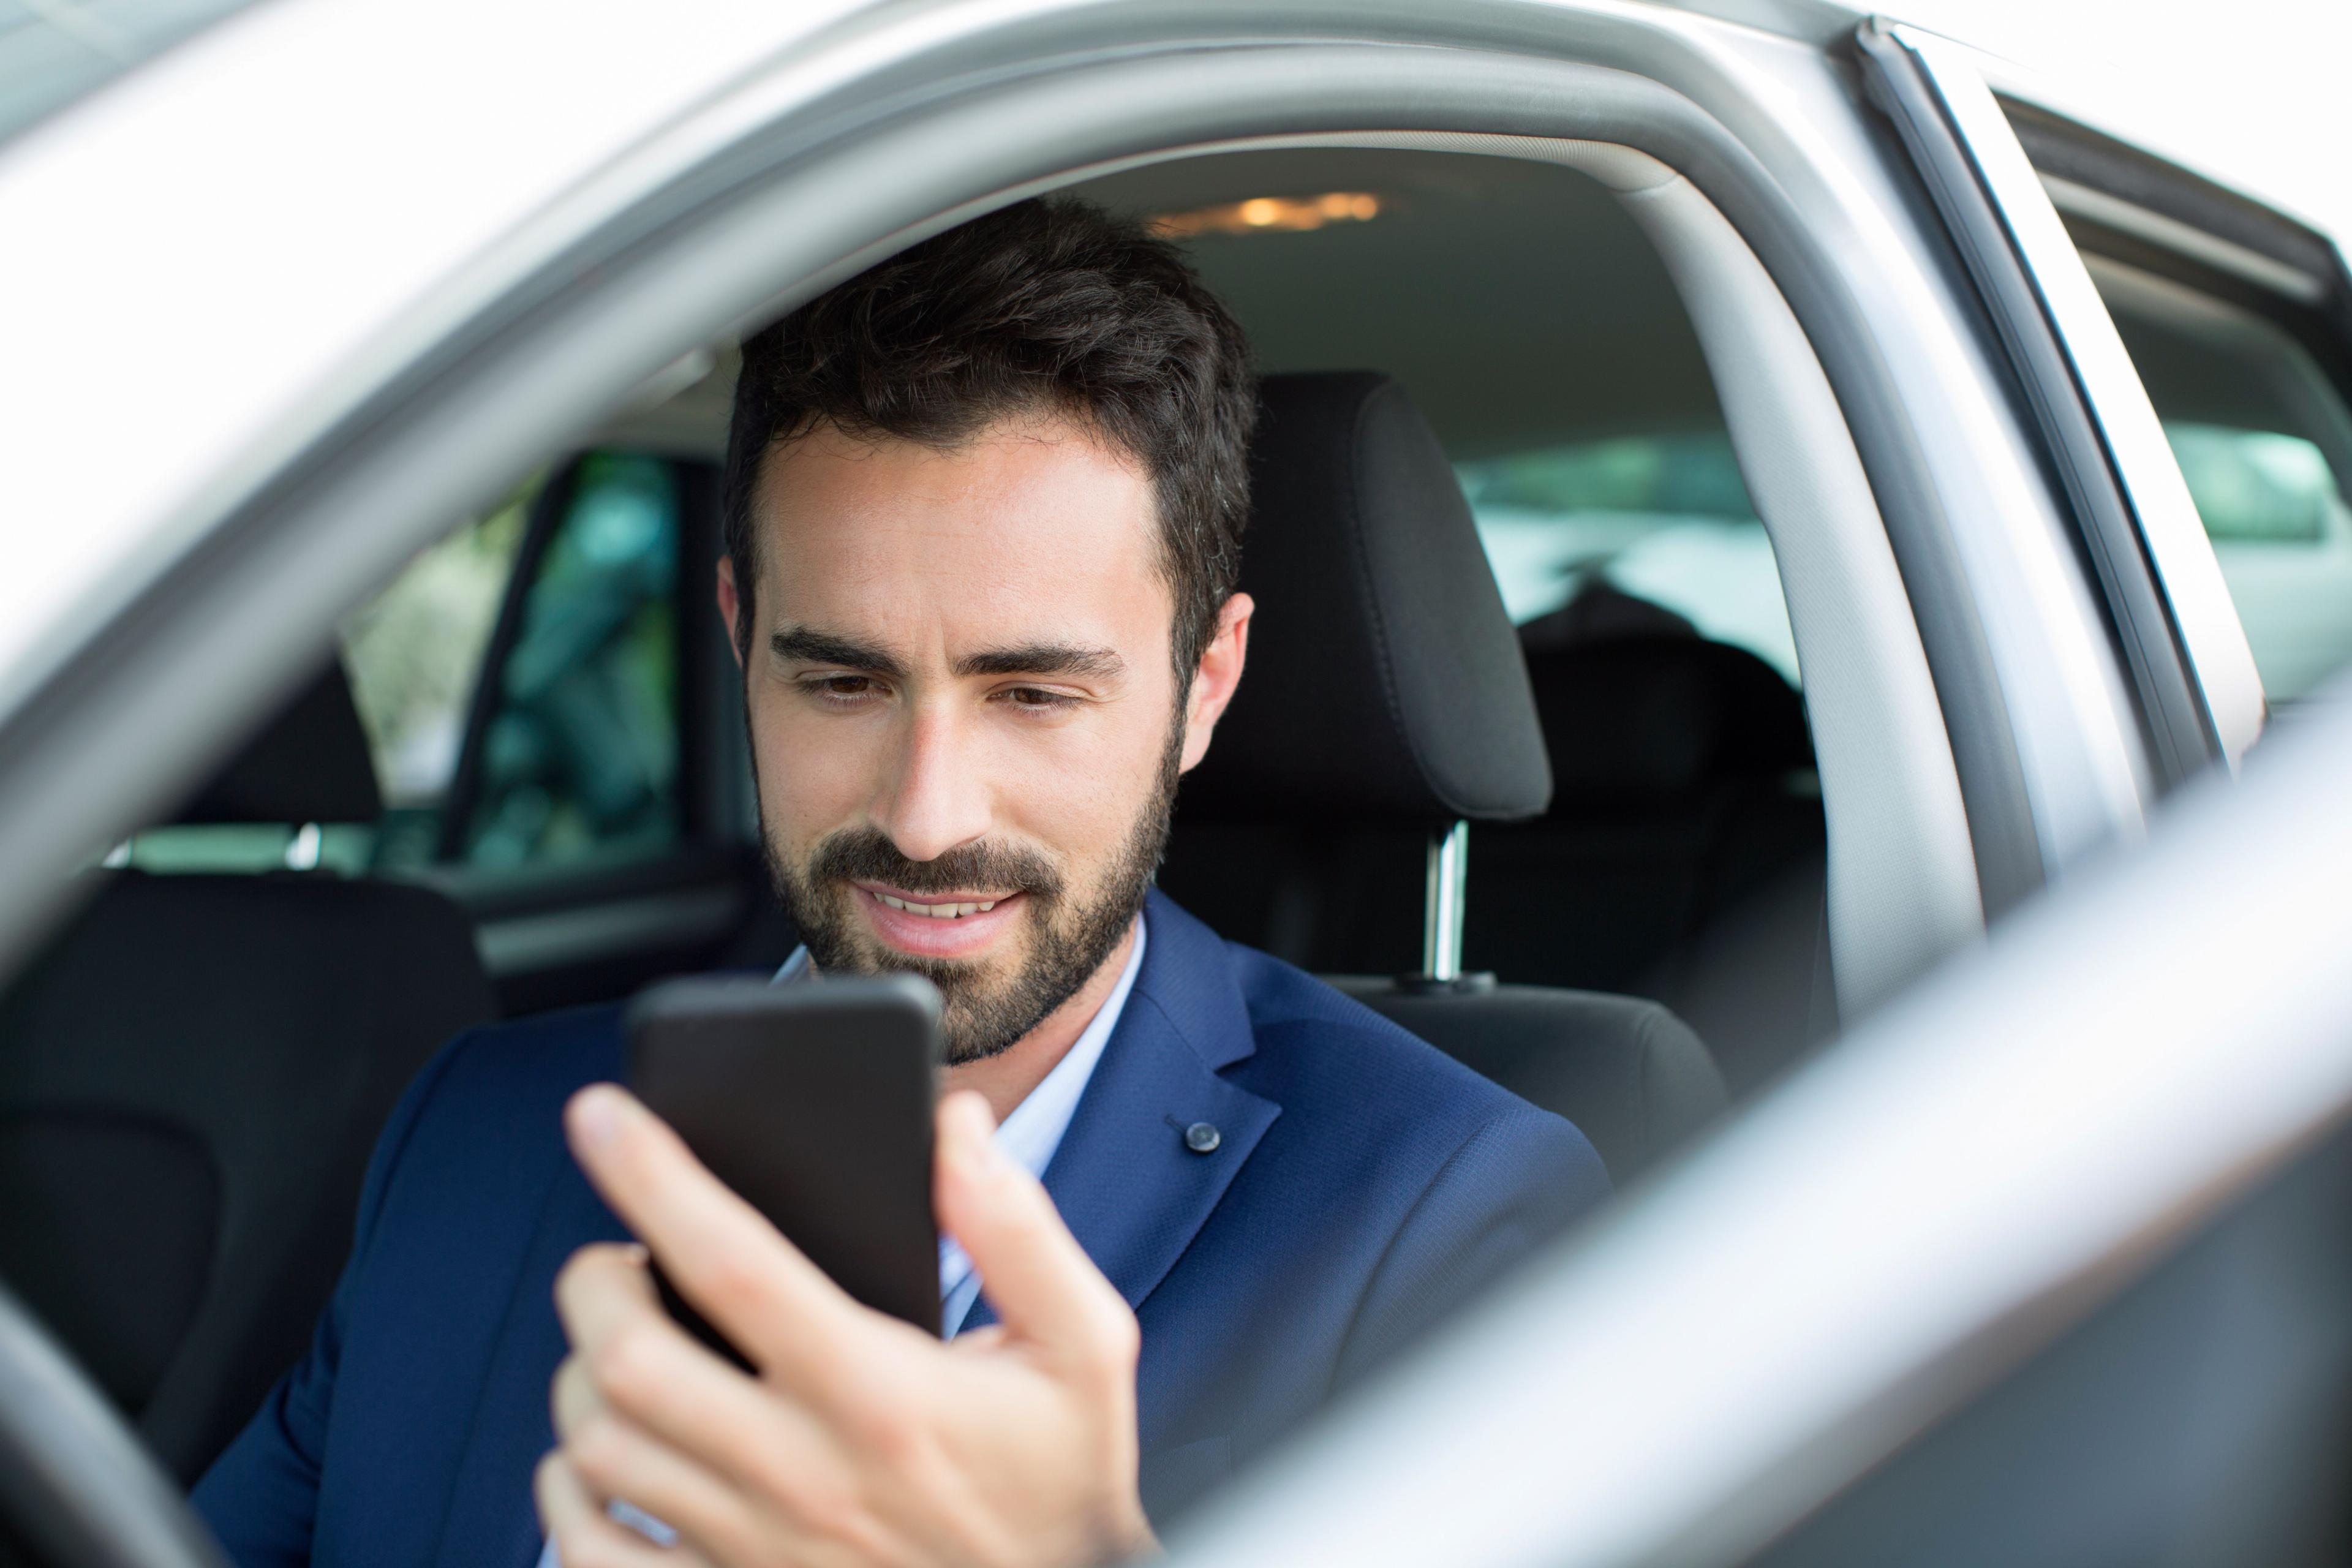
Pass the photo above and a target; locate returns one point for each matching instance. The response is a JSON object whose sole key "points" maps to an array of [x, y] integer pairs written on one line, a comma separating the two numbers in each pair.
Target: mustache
{"points": [[867, 853]]}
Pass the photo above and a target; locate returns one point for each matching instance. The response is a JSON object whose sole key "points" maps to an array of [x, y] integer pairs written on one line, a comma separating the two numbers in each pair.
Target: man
{"points": [[984, 511]]}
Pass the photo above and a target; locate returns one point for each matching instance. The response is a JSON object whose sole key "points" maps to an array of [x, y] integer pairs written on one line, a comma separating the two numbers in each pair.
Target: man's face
{"points": [[963, 715]]}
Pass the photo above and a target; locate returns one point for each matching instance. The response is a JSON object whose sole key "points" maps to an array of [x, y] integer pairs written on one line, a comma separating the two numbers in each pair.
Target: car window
{"points": [[413, 654], [542, 712], [1534, 326], [2265, 440], [1576, 531], [578, 752]]}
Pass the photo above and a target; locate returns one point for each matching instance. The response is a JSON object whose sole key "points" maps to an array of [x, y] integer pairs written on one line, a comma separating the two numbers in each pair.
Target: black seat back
{"points": [[1683, 853], [191, 1078], [1386, 699], [1635, 1079], [1385, 692]]}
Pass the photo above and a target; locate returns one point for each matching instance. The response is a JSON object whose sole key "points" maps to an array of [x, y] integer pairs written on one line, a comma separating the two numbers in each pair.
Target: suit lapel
{"points": [[1127, 1184]]}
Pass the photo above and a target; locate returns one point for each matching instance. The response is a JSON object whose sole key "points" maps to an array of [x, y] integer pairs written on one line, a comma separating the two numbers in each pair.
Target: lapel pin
{"points": [[1202, 1138]]}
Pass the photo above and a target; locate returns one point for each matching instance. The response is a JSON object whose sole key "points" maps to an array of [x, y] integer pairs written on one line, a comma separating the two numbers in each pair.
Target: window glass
{"points": [[1572, 531], [249, 847], [581, 756], [2265, 440], [414, 652], [413, 655]]}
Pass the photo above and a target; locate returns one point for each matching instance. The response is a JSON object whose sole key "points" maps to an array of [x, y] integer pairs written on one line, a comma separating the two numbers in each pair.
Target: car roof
{"points": [[1518, 302], [51, 56], [262, 283]]}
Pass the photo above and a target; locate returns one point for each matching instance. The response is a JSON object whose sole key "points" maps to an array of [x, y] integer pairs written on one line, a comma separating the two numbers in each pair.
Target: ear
{"points": [[730, 606], [1214, 682]]}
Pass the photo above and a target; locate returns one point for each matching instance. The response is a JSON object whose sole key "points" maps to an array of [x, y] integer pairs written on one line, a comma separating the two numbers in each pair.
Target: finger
{"points": [[1044, 1287], [745, 1501], [981, 1341], [628, 1357], [631, 1362], [571, 1397], [583, 1535], [617, 1459], [724, 1257], [604, 1290]]}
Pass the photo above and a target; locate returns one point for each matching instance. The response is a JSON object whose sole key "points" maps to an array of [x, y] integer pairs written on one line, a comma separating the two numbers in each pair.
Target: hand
{"points": [[861, 1440]]}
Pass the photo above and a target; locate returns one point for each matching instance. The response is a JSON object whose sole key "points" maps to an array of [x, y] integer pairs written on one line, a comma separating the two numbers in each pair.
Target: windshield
{"points": [[55, 51]]}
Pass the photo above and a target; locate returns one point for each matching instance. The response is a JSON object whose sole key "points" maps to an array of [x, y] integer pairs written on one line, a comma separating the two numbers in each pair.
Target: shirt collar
{"points": [[1034, 1130]]}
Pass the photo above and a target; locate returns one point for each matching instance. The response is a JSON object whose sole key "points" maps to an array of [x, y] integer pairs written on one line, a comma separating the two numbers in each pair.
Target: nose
{"points": [[936, 796]]}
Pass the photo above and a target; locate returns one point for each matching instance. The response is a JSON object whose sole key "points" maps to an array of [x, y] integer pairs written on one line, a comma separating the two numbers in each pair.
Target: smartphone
{"points": [[812, 1103]]}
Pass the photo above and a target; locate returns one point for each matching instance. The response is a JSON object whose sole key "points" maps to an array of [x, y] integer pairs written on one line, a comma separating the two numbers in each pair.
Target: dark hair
{"points": [[1054, 305]]}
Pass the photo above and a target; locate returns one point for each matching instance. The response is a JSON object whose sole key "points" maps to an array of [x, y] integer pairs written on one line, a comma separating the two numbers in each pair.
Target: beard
{"points": [[1069, 933]]}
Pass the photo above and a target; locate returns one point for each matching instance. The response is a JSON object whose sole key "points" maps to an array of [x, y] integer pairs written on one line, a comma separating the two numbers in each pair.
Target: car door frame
{"points": [[2177, 631], [798, 174], [2125, 204]]}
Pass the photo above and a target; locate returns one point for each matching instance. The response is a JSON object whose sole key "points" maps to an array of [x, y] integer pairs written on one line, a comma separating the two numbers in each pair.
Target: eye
{"points": [[841, 691], [1037, 698]]}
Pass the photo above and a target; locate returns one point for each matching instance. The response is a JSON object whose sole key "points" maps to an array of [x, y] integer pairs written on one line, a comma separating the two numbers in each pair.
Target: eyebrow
{"points": [[1044, 658], [808, 647], [823, 647]]}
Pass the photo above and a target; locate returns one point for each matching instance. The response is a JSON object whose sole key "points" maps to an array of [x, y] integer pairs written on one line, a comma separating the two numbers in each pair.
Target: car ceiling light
{"points": [[1270, 215]]}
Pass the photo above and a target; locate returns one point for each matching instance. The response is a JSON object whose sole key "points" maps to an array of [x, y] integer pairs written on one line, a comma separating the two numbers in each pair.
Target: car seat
{"points": [[191, 1076], [1385, 707], [1683, 854]]}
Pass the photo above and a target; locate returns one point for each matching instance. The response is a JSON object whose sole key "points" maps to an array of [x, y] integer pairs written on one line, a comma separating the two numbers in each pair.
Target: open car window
{"points": [[2265, 440], [415, 656], [519, 684], [542, 707], [1632, 534], [2178, 297], [572, 750]]}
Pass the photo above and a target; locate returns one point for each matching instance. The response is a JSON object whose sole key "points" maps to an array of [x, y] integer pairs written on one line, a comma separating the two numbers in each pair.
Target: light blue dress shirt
{"points": [[1030, 1135], [1034, 1130]]}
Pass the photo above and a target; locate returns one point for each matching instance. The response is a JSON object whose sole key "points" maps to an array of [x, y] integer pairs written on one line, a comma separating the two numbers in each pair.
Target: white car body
{"points": [[281, 302]]}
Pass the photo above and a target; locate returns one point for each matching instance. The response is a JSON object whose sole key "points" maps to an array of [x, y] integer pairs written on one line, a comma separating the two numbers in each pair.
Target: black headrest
{"points": [[311, 764], [1638, 718], [1383, 676]]}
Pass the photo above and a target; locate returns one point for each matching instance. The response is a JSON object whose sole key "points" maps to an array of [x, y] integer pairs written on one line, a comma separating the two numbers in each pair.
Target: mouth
{"points": [[961, 923], [936, 908]]}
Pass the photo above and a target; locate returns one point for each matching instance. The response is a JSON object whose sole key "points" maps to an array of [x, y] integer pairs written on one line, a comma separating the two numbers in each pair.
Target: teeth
{"points": [[937, 911]]}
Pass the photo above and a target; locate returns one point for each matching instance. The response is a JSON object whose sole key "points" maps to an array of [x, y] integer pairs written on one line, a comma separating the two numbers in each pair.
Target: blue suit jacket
{"points": [[1363, 1182]]}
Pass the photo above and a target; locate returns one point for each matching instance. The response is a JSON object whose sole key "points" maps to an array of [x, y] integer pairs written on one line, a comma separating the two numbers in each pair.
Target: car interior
{"points": [[1523, 759]]}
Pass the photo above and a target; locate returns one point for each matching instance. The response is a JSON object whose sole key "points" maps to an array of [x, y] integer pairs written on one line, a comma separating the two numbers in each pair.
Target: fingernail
{"points": [[971, 1132], [596, 1115]]}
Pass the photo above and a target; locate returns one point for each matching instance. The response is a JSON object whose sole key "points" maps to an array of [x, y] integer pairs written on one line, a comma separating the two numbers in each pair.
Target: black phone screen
{"points": [[812, 1103]]}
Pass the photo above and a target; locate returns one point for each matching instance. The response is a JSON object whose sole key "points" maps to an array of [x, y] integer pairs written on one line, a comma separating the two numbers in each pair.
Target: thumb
{"points": [[1045, 1289]]}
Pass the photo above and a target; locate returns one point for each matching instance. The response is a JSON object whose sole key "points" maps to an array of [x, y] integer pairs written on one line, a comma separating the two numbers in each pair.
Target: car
{"points": [[1903, 485]]}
